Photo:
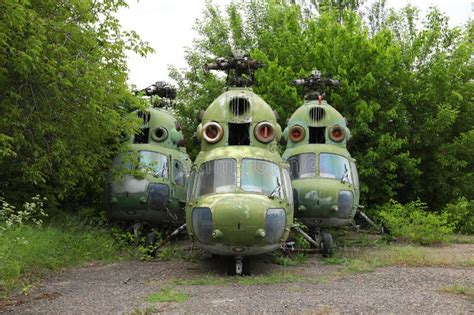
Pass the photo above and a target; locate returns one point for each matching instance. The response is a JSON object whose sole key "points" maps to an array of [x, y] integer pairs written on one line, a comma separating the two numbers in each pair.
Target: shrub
{"points": [[461, 215], [411, 222]]}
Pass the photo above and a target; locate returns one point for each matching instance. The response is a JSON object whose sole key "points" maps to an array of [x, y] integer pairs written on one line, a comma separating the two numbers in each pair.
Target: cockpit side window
{"points": [[335, 166], [288, 187], [302, 165], [190, 185], [217, 176], [355, 174], [178, 173]]}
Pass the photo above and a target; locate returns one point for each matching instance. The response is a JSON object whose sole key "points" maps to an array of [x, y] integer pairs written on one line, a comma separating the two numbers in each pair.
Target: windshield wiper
{"points": [[273, 194]]}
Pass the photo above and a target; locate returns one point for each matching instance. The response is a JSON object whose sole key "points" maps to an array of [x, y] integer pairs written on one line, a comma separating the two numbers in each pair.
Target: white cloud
{"points": [[167, 25]]}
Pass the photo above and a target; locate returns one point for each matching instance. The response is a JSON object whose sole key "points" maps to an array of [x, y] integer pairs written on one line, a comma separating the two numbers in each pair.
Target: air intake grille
{"points": [[239, 106], [316, 113], [145, 116]]}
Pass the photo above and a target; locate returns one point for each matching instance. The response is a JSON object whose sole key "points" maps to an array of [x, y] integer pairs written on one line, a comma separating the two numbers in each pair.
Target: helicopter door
{"points": [[179, 177]]}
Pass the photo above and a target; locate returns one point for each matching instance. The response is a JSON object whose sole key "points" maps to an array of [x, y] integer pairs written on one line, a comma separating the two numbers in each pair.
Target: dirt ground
{"points": [[123, 288]]}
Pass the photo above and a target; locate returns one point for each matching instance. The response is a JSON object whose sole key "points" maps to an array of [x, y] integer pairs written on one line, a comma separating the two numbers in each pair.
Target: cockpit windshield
{"points": [[261, 176], [131, 163], [335, 166], [154, 163], [217, 176], [302, 165]]}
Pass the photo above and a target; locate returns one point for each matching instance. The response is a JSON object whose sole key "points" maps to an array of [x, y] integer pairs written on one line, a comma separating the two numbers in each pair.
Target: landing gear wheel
{"points": [[150, 239], [326, 244]]}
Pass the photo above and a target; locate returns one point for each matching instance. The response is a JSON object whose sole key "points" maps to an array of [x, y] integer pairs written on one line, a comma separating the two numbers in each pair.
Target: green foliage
{"points": [[406, 86], [168, 295], [64, 100], [290, 260], [27, 252], [461, 214], [411, 222]]}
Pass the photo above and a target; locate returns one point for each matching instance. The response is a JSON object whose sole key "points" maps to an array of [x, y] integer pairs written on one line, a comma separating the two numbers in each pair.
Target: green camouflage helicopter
{"points": [[239, 197], [148, 182], [323, 173]]}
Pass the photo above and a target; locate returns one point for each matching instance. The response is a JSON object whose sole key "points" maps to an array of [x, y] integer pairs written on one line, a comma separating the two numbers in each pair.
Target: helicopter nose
{"points": [[157, 196]]}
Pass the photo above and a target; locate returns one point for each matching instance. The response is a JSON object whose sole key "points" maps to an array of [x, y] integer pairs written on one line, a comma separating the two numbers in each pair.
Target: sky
{"points": [[168, 26]]}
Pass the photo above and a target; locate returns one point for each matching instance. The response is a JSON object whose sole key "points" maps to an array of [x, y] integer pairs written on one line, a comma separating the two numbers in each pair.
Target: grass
{"points": [[272, 278], [460, 289], [167, 295], [406, 256], [294, 260], [27, 253], [462, 239]]}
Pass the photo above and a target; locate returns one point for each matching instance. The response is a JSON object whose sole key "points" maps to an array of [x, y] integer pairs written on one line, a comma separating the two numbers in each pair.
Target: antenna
{"points": [[240, 69]]}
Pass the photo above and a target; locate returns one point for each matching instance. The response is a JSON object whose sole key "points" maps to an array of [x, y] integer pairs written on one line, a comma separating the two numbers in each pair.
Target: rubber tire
{"points": [[150, 239], [326, 245]]}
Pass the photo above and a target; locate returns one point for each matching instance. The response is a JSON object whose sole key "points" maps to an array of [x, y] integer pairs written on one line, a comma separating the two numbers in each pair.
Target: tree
{"points": [[405, 91], [63, 98]]}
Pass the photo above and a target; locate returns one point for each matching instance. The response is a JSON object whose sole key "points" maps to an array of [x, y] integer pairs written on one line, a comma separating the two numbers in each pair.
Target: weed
{"points": [[205, 280], [147, 311], [272, 278], [168, 295], [290, 260], [460, 289]]}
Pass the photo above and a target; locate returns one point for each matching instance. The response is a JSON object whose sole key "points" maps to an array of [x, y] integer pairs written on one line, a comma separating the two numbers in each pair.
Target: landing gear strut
{"points": [[238, 265], [322, 240]]}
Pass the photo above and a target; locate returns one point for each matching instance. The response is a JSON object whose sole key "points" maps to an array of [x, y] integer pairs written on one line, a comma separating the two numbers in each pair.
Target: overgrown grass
{"points": [[460, 289], [27, 253], [167, 295]]}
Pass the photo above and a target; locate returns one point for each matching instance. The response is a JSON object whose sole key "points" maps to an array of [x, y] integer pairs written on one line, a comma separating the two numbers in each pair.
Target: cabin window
{"points": [[154, 163], [218, 176], [334, 166], [261, 177], [317, 134], [178, 173], [302, 165], [239, 134]]}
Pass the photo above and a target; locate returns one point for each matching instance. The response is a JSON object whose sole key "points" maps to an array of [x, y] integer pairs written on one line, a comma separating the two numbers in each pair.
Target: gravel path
{"points": [[122, 288]]}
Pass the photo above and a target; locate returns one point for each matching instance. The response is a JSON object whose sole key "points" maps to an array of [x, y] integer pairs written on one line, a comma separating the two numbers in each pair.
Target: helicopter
{"points": [[239, 199], [147, 184], [323, 173]]}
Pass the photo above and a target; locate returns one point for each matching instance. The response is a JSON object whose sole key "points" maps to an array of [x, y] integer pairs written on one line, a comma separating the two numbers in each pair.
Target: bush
{"points": [[461, 215], [411, 222]]}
